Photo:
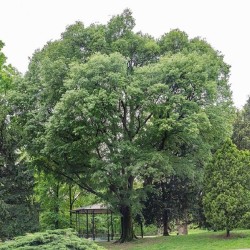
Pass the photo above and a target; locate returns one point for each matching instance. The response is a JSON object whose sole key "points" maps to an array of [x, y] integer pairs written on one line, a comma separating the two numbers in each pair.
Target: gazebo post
{"points": [[93, 225], [87, 224], [112, 227], [108, 224], [77, 222]]}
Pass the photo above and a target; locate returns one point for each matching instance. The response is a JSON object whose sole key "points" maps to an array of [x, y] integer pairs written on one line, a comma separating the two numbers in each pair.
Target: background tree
{"points": [[56, 198], [190, 156], [241, 131], [226, 198], [49, 194], [172, 204], [18, 211]]}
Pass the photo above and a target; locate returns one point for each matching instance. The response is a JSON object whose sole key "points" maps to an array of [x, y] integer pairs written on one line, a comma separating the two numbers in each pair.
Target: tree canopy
{"points": [[113, 110]]}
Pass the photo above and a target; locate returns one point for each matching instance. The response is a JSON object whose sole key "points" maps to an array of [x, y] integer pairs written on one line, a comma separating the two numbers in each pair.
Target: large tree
{"points": [[114, 129], [109, 108]]}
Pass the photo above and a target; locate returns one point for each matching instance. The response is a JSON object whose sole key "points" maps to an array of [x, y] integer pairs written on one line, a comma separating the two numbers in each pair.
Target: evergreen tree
{"points": [[18, 212], [226, 187]]}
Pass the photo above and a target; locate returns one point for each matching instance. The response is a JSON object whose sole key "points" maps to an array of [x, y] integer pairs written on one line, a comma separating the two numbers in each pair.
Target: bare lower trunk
{"points": [[127, 233], [182, 228], [228, 233], [165, 223], [141, 229]]}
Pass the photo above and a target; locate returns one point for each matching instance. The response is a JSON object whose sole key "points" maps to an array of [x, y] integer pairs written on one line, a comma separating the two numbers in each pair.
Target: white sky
{"points": [[26, 25]]}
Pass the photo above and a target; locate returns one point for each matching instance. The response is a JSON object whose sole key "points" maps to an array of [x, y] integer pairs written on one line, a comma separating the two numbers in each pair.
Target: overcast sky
{"points": [[26, 25]]}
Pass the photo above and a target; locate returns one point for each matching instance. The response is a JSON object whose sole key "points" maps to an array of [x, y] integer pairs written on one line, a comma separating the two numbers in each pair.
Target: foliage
{"points": [[227, 194], [54, 239], [6, 72], [53, 213], [56, 198]]}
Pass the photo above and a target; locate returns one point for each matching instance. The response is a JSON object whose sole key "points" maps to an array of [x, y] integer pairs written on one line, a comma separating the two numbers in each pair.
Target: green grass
{"points": [[196, 240]]}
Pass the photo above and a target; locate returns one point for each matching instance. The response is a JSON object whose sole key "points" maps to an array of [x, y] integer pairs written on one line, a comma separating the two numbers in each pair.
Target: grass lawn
{"points": [[196, 240]]}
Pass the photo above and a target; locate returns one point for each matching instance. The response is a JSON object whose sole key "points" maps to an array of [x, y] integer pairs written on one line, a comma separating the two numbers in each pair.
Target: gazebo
{"points": [[90, 212]]}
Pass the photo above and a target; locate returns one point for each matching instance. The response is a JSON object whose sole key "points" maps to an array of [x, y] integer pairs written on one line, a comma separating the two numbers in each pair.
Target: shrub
{"points": [[61, 239]]}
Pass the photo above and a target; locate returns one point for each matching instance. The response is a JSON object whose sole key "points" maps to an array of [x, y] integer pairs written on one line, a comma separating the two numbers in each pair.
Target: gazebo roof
{"points": [[92, 209]]}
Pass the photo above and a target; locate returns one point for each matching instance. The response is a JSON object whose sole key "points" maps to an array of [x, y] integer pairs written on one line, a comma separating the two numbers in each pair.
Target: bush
{"points": [[61, 239]]}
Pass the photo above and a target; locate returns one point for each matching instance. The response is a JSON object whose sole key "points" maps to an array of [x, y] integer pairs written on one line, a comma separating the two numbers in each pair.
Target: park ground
{"points": [[196, 240]]}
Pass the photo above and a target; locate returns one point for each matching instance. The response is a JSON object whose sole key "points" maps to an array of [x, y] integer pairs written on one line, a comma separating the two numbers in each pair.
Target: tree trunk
{"points": [[182, 228], [165, 223], [165, 211], [56, 208], [141, 229], [127, 233], [228, 233]]}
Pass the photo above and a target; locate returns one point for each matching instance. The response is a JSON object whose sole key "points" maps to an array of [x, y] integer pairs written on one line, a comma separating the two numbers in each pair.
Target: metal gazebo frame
{"points": [[91, 211]]}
